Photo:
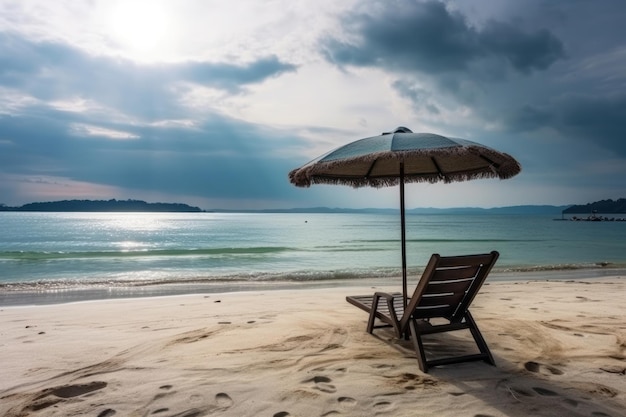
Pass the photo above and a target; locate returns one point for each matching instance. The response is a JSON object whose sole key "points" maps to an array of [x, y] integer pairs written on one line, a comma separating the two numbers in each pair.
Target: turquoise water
{"points": [[41, 251]]}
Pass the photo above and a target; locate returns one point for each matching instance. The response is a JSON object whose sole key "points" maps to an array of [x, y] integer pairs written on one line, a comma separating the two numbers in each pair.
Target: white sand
{"points": [[560, 348]]}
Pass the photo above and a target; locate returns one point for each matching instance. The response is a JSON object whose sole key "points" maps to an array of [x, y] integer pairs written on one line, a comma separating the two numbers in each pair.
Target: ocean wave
{"points": [[37, 256], [135, 281], [445, 240], [174, 279], [562, 267]]}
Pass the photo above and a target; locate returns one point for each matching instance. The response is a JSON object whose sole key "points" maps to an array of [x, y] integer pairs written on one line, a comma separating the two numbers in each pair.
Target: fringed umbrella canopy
{"points": [[426, 157], [401, 156]]}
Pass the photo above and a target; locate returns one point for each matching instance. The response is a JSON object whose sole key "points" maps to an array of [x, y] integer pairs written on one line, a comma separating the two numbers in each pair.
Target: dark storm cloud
{"points": [[525, 52], [537, 65], [597, 119], [528, 118], [427, 37]]}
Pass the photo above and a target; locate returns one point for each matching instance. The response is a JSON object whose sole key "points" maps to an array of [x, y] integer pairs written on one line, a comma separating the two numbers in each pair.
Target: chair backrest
{"points": [[448, 286]]}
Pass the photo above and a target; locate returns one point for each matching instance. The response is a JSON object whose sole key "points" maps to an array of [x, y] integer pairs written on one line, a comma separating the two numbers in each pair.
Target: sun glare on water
{"points": [[140, 27]]}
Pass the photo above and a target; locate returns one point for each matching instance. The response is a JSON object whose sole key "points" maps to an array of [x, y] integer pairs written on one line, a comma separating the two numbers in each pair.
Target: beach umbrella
{"points": [[401, 156]]}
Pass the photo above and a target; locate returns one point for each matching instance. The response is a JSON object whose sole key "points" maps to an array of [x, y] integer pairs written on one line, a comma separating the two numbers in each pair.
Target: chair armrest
{"points": [[393, 316], [385, 295], [390, 298]]}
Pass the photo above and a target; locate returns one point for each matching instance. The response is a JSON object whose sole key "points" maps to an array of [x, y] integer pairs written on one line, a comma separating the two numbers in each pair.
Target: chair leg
{"points": [[419, 347], [478, 338], [372, 319]]}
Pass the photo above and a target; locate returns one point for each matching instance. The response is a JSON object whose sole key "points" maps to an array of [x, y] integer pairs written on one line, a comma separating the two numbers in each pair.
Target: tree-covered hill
{"points": [[103, 205], [602, 206]]}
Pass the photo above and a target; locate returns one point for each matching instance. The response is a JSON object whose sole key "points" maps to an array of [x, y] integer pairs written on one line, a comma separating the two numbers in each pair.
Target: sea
{"points": [[62, 257]]}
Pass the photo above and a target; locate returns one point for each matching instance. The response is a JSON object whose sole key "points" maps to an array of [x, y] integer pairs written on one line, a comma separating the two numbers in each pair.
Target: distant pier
{"points": [[594, 218]]}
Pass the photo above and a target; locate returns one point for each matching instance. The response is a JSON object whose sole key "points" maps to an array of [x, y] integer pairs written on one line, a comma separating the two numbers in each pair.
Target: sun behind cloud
{"points": [[140, 27]]}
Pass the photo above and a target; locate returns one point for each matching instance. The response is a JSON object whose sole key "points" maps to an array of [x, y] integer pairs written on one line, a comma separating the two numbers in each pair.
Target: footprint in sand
{"points": [[614, 369], [196, 399], [69, 391], [322, 383], [223, 400], [383, 406], [346, 402], [602, 390], [281, 414], [47, 397], [542, 368]]}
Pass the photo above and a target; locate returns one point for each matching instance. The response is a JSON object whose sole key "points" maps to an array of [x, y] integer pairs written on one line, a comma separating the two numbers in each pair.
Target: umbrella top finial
{"points": [[399, 129]]}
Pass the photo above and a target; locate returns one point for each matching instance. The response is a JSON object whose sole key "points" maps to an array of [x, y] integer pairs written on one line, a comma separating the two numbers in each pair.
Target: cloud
{"points": [[231, 77], [599, 119], [51, 71], [511, 70], [526, 52], [220, 157], [427, 37], [589, 118], [119, 124], [528, 118], [421, 98]]}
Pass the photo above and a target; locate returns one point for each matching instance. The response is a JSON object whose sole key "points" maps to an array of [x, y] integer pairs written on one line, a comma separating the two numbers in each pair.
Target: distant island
{"points": [[141, 206], [527, 209], [103, 206], [603, 207]]}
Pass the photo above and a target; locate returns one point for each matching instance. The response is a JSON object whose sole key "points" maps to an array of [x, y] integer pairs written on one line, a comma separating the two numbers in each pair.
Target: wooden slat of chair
{"points": [[442, 287], [455, 273]]}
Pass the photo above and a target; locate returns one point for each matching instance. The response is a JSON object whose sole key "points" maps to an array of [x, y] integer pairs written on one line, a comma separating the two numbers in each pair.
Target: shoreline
{"points": [[68, 293], [64, 293], [559, 347], [61, 293]]}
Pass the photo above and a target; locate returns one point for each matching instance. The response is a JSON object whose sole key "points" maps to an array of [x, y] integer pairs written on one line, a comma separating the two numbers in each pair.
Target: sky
{"points": [[212, 103]]}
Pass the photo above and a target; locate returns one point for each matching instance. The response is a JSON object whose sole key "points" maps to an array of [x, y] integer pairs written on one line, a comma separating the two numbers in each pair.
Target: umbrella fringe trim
{"points": [[313, 172]]}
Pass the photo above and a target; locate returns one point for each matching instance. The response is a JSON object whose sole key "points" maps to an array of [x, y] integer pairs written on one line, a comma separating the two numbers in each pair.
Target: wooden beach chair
{"points": [[445, 291]]}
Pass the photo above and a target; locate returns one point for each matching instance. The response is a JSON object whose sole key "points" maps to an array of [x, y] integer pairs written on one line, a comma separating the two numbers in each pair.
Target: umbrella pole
{"points": [[403, 233]]}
